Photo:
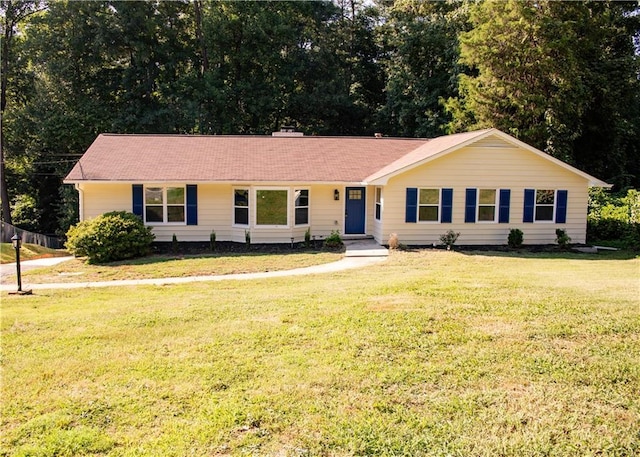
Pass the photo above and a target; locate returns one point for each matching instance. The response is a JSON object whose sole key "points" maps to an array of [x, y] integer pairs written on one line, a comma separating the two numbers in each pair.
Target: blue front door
{"points": [[355, 210]]}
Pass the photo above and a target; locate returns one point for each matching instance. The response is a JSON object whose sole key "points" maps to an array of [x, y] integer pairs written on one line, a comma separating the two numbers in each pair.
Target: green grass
{"points": [[27, 252], [431, 353], [163, 266]]}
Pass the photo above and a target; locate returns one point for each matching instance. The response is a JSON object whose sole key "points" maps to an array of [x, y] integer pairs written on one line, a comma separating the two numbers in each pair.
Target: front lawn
{"points": [[171, 266], [430, 353]]}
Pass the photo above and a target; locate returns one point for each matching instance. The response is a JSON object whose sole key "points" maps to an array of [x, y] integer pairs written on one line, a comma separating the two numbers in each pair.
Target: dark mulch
{"points": [[195, 248]]}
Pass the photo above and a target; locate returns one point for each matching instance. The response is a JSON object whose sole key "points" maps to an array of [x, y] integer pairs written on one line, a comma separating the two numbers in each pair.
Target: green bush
{"points": [[449, 238], [212, 240], [515, 238], [333, 241], [307, 238], [614, 219], [562, 238], [112, 236]]}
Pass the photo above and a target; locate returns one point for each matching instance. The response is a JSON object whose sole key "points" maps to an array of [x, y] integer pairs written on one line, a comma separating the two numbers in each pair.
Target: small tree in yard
{"points": [[112, 236]]}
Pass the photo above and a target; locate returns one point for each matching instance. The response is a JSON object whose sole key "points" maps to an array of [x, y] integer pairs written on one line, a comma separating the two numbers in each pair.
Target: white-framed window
{"points": [[545, 205], [164, 205], [272, 207], [378, 203], [241, 207], [301, 206], [487, 204], [428, 205]]}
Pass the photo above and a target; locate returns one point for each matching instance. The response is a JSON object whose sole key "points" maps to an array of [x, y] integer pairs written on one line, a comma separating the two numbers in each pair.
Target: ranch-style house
{"points": [[480, 184]]}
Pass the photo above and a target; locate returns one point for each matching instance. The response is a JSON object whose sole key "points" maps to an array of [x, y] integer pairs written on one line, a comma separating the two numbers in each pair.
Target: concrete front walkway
{"points": [[359, 253]]}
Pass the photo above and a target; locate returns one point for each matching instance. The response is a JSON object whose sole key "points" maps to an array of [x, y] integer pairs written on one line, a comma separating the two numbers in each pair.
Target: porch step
{"points": [[357, 237], [364, 248]]}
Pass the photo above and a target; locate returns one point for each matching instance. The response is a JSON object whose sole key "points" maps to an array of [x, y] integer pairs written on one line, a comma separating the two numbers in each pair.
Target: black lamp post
{"points": [[16, 241]]}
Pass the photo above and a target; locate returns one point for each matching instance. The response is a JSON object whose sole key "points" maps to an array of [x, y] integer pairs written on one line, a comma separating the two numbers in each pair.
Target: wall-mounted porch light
{"points": [[336, 194]]}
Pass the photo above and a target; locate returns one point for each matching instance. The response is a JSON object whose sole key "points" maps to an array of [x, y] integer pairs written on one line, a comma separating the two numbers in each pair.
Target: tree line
{"points": [[561, 76]]}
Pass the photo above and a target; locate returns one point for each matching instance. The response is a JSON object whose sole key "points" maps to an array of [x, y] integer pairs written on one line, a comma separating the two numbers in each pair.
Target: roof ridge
{"points": [[255, 136]]}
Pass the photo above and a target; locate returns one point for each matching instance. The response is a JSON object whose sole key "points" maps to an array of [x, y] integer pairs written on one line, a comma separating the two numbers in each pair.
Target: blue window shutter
{"points": [[192, 204], [529, 205], [137, 191], [503, 211], [561, 207], [447, 205], [411, 214], [470, 205]]}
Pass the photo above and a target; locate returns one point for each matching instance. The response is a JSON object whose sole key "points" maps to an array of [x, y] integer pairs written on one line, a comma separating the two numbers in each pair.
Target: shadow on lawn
{"points": [[545, 252], [166, 252]]}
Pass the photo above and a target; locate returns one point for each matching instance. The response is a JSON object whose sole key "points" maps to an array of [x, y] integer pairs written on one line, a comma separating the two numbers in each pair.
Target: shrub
{"points": [[247, 238], [333, 241], [449, 238], [174, 244], [394, 243], [112, 236], [515, 238], [562, 238], [307, 237], [212, 240]]}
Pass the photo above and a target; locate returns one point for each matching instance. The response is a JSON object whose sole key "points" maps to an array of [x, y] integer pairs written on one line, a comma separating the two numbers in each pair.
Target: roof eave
{"points": [[224, 182], [591, 180]]}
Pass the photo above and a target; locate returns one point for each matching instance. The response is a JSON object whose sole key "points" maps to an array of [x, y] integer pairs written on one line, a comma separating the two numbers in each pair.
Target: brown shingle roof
{"points": [[254, 159], [237, 158]]}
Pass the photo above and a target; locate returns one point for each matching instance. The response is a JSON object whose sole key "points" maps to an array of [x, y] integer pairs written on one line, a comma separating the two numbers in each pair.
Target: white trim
{"points": [[418, 221], [496, 205], [554, 206], [233, 207], [294, 207], [165, 205]]}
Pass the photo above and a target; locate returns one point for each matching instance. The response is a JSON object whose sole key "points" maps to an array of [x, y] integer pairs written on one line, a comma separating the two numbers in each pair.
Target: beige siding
{"points": [[98, 198], [215, 213], [492, 166]]}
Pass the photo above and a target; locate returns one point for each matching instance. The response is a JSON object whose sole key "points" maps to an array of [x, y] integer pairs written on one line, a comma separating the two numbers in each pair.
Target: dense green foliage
{"points": [[614, 218], [562, 76], [112, 236]]}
